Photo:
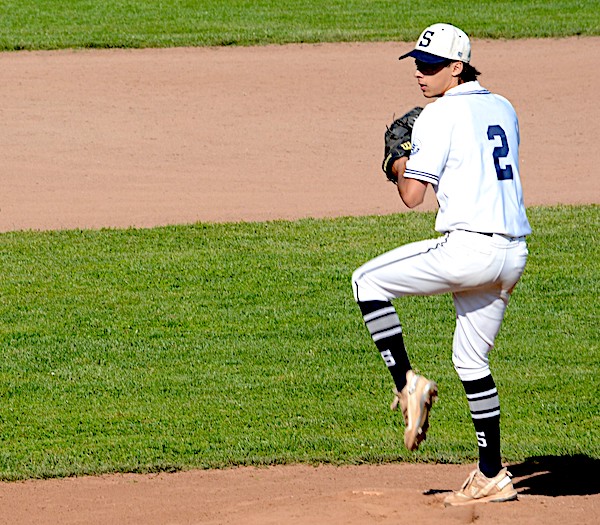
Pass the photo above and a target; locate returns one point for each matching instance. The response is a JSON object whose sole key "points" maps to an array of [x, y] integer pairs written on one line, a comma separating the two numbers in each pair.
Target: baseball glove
{"points": [[398, 141]]}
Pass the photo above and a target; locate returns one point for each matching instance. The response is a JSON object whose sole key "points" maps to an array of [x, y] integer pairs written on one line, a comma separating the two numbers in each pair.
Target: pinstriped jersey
{"points": [[466, 145]]}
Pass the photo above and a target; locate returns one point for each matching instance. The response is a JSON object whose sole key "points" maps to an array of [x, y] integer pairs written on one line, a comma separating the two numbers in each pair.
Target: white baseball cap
{"points": [[440, 42]]}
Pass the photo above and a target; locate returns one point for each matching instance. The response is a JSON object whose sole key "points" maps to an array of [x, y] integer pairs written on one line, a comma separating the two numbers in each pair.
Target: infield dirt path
{"points": [[142, 138]]}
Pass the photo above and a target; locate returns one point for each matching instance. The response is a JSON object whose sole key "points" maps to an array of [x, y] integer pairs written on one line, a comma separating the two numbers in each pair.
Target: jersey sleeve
{"points": [[431, 141]]}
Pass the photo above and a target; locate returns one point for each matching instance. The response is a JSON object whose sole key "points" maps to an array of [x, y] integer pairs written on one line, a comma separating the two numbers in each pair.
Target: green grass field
{"points": [[53, 24], [224, 344], [213, 345]]}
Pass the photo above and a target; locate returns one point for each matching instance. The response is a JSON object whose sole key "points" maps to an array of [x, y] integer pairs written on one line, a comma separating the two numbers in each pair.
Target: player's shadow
{"points": [[557, 476]]}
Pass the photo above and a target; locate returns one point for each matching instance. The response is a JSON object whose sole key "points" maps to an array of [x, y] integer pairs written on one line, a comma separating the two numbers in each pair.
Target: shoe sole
{"points": [[496, 498], [418, 434]]}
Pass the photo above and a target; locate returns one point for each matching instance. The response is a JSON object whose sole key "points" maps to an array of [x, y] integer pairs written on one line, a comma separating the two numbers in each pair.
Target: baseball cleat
{"points": [[480, 489], [415, 399]]}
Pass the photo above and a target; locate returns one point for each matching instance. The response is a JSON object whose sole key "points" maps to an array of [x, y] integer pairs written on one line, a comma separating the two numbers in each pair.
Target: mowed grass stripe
{"points": [[56, 24]]}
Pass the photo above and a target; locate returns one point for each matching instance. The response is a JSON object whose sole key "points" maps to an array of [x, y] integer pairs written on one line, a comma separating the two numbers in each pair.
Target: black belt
{"points": [[481, 233]]}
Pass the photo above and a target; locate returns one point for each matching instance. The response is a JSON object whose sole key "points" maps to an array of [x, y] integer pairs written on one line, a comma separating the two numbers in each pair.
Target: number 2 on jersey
{"points": [[500, 152]]}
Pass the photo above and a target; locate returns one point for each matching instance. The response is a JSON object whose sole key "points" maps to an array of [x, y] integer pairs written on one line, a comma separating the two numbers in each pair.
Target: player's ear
{"points": [[456, 68]]}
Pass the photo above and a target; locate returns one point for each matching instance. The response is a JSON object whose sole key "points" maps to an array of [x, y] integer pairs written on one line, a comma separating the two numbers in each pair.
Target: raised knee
{"points": [[356, 277]]}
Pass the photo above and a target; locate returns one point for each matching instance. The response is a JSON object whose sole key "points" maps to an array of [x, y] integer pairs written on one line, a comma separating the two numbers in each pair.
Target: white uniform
{"points": [[465, 144]]}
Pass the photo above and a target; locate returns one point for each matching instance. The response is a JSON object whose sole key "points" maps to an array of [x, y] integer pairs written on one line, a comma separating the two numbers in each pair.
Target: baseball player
{"points": [[465, 145]]}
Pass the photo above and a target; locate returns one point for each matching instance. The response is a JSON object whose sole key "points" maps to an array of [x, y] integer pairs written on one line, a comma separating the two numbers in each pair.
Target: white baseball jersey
{"points": [[466, 144]]}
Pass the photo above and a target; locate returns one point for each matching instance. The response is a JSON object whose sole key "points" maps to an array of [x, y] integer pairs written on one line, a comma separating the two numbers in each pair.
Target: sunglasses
{"points": [[431, 69]]}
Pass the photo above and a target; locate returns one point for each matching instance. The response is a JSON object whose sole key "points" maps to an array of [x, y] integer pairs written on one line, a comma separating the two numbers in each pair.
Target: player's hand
{"points": [[398, 142]]}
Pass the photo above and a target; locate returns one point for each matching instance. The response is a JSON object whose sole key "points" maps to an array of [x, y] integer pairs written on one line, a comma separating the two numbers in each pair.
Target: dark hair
{"points": [[469, 73]]}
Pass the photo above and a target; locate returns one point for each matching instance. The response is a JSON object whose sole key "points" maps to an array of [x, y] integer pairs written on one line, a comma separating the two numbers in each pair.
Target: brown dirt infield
{"points": [[151, 137]]}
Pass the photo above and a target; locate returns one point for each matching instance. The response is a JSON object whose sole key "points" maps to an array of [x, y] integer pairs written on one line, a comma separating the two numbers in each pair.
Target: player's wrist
{"points": [[399, 166]]}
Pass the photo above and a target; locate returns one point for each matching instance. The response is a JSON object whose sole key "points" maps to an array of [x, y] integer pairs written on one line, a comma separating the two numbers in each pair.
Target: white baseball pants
{"points": [[480, 272]]}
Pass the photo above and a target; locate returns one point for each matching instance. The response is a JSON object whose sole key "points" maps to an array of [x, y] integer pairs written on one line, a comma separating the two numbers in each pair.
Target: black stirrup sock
{"points": [[384, 326]]}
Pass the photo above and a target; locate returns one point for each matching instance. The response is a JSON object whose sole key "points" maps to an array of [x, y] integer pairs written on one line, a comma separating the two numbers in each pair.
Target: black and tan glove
{"points": [[398, 141]]}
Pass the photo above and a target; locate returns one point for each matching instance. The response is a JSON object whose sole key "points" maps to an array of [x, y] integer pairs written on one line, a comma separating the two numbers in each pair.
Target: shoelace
{"points": [[469, 479]]}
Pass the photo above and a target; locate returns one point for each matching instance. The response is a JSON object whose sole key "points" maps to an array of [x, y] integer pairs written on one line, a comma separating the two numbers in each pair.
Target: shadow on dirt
{"points": [[557, 476]]}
